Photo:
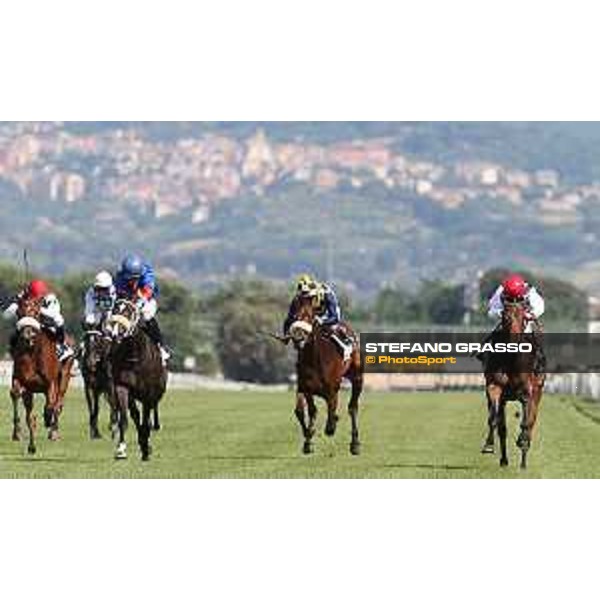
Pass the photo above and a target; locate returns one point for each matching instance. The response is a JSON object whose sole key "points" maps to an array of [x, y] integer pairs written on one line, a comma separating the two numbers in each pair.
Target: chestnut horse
{"points": [[513, 377], [36, 370], [320, 369]]}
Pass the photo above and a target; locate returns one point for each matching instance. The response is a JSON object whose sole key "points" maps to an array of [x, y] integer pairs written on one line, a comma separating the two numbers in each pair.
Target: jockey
{"points": [[50, 314], [136, 281], [99, 300], [515, 288], [328, 313]]}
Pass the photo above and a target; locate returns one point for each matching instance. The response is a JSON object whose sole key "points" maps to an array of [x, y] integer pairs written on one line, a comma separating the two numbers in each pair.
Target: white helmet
{"points": [[103, 280]]}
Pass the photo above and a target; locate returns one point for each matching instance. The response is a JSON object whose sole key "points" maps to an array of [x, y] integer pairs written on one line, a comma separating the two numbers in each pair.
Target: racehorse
{"points": [[138, 375], [97, 378], [36, 369], [513, 377], [320, 370]]}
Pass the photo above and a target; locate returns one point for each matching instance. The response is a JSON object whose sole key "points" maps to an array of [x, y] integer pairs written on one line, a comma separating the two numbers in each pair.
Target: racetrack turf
{"points": [[254, 435]]}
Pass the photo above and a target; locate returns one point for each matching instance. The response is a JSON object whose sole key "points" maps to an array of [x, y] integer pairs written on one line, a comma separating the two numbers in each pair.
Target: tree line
{"points": [[227, 331]]}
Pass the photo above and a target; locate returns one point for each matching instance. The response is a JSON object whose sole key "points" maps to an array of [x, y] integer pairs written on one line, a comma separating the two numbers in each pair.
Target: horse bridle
{"points": [[128, 324]]}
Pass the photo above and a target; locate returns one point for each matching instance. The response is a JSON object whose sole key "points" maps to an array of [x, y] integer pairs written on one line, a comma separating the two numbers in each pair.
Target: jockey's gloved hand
{"points": [[319, 320]]}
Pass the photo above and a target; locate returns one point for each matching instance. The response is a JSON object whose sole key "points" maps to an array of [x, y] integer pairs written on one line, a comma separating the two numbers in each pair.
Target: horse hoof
{"points": [[31, 450], [16, 437], [504, 462], [121, 453], [53, 436], [307, 449], [145, 457], [330, 428], [157, 427], [488, 449], [95, 435], [355, 449]]}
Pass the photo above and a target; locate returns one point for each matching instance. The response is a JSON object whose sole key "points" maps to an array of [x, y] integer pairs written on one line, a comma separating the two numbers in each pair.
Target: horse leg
{"points": [[30, 418], [534, 406], [502, 433], [135, 414], [332, 416], [144, 431], [524, 440], [121, 396], [300, 412], [92, 398], [51, 411], [156, 419], [357, 384], [15, 394], [494, 396], [114, 421], [312, 416], [489, 447]]}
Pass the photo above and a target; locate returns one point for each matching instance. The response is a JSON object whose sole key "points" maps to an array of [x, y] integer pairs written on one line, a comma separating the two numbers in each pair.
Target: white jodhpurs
{"points": [[149, 310]]}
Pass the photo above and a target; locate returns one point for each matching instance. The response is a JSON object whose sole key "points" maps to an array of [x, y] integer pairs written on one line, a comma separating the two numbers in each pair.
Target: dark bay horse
{"points": [[138, 375], [37, 370], [97, 378], [513, 377], [320, 369]]}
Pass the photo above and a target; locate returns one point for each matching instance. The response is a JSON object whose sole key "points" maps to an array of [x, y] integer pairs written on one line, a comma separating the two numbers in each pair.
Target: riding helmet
{"points": [[38, 289], [132, 266], [515, 287], [103, 280]]}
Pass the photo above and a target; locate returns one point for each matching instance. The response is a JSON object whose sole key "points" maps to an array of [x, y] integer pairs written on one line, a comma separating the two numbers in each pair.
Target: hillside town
{"points": [[46, 161]]}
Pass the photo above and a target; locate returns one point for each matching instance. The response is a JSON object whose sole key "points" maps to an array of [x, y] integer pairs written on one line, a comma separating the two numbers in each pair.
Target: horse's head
{"points": [[514, 317], [302, 328], [28, 320], [123, 321], [97, 348]]}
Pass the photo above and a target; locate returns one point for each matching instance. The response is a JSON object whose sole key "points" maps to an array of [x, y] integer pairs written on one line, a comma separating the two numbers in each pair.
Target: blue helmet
{"points": [[132, 266]]}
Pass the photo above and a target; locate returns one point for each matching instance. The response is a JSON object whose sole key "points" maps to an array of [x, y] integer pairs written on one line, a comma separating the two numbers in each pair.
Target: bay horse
{"points": [[138, 375], [511, 377], [36, 370], [97, 378], [320, 370]]}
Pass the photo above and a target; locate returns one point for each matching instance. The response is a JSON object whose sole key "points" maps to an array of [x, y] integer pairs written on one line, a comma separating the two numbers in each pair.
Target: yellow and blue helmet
{"points": [[307, 285]]}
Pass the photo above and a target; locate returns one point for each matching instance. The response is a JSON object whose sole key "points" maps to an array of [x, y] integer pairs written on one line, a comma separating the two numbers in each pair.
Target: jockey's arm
{"points": [[10, 313], [495, 305], [51, 310], [331, 314], [536, 303], [291, 317], [90, 303]]}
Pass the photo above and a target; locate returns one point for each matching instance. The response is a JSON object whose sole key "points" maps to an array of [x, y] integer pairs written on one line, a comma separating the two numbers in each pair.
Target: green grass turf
{"points": [[254, 435]]}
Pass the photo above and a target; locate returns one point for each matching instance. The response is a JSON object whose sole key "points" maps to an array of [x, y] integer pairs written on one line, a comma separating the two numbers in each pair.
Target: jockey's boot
{"points": [[155, 334], [339, 336], [63, 349]]}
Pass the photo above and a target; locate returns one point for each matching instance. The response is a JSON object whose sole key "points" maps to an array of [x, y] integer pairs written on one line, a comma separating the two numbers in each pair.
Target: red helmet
{"points": [[38, 289], [515, 287]]}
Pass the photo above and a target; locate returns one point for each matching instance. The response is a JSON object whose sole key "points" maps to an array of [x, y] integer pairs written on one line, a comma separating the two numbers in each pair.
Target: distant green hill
{"points": [[364, 237]]}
